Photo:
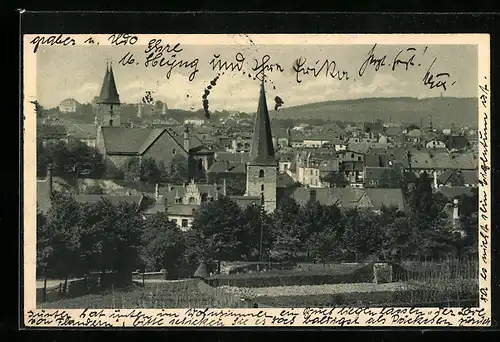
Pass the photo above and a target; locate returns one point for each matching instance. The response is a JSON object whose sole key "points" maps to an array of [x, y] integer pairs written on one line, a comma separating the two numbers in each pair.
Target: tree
{"points": [[178, 169], [392, 178], [398, 239], [253, 222], [323, 245], [132, 170], [59, 243], [84, 160], [57, 156], [421, 198], [335, 178], [94, 189], [285, 248], [164, 244], [150, 172], [362, 236], [219, 222], [110, 237]]}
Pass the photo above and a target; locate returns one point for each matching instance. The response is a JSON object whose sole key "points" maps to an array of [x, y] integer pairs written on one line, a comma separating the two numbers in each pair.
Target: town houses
{"points": [[353, 166]]}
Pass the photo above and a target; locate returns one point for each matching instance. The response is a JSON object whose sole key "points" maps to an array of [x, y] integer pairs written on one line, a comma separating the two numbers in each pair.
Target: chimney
{"points": [[186, 139], [157, 192], [455, 209], [139, 110], [49, 180], [164, 109]]}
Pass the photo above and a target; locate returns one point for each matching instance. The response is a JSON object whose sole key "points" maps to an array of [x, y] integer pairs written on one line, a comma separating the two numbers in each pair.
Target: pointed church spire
{"points": [[109, 93], [262, 149]]}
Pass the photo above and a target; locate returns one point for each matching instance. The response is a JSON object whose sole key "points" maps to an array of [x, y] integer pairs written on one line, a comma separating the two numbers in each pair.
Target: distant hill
{"points": [[444, 110]]}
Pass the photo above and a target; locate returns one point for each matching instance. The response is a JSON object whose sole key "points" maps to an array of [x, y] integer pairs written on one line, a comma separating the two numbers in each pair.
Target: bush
{"points": [[293, 278]]}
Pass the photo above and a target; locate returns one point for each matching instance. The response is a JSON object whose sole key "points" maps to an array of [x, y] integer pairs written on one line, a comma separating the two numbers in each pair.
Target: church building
{"points": [[262, 168], [118, 144]]}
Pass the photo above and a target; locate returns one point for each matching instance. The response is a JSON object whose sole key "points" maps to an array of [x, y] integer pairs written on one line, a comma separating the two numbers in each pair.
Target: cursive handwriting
{"points": [[435, 81], [155, 57], [378, 62], [328, 67], [343, 316], [122, 39], [52, 40], [262, 66], [219, 65], [406, 62], [483, 139]]}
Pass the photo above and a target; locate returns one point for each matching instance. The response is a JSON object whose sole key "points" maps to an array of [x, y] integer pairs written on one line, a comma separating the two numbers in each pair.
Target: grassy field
{"points": [[185, 294], [445, 283]]}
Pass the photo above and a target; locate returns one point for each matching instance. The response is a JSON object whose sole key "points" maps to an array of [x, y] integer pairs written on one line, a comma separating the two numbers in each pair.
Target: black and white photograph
{"points": [[257, 172]]}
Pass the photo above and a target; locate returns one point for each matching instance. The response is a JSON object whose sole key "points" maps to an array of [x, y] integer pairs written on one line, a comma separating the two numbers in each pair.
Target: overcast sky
{"points": [[78, 71]]}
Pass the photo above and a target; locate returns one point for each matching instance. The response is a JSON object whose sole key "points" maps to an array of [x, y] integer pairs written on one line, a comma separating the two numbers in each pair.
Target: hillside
{"points": [[444, 110]]}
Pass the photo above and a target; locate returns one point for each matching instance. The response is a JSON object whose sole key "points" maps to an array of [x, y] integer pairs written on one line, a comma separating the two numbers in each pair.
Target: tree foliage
{"points": [[164, 244], [71, 159]]}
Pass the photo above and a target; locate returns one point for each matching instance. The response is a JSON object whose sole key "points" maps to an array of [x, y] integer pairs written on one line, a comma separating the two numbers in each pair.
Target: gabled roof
{"points": [[45, 131], [245, 201], [262, 149], [375, 173], [82, 131], [352, 166], [387, 197], [182, 209], [69, 102], [232, 157], [456, 191], [284, 180], [125, 140], [109, 93], [121, 140], [430, 160], [345, 197], [226, 166], [137, 199], [458, 177], [169, 194]]}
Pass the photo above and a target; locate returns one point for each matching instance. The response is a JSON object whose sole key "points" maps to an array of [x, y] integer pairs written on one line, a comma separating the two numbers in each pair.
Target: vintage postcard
{"points": [[257, 180]]}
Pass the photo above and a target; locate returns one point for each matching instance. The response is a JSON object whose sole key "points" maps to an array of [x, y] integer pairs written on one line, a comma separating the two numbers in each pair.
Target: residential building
{"points": [[69, 105], [352, 198]]}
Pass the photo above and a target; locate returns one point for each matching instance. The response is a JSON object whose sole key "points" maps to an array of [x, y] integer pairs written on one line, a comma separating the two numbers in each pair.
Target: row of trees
{"points": [[78, 238], [69, 159]]}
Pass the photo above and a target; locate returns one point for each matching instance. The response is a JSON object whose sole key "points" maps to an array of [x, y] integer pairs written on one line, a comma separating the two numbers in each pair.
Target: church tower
{"points": [[262, 166], [109, 101]]}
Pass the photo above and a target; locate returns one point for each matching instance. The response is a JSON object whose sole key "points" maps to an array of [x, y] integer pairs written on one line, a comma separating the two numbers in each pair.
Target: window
{"points": [[184, 223], [352, 155], [192, 200], [111, 122], [261, 174], [173, 151], [359, 158], [174, 220], [311, 172], [178, 201], [200, 165], [262, 187]]}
